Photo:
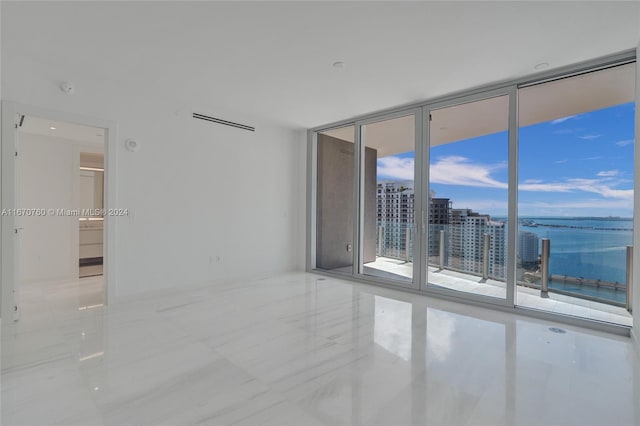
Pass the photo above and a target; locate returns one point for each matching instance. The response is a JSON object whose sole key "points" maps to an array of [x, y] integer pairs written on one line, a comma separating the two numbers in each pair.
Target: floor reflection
{"points": [[303, 349], [392, 326]]}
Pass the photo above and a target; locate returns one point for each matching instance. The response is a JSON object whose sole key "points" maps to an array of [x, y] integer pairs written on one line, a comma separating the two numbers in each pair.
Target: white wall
{"points": [[208, 203], [1, 97], [196, 191], [48, 178]]}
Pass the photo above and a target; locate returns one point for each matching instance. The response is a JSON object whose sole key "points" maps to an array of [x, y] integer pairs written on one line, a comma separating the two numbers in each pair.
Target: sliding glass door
{"points": [[388, 197], [519, 196], [468, 197]]}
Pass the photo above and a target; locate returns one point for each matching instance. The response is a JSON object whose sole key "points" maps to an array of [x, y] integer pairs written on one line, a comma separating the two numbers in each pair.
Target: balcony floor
{"points": [[526, 297]]}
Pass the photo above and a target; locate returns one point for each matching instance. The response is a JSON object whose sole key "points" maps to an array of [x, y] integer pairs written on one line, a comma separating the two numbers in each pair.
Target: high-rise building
{"points": [[528, 251], [466, 241], [497, 248], [439, 218], [395, 210], [464, 230], [395, 217]]}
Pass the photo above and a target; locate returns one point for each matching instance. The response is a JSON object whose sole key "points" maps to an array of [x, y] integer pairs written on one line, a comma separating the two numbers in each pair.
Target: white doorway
{"points": [[60, 196], [55, 192], [92, 208]]}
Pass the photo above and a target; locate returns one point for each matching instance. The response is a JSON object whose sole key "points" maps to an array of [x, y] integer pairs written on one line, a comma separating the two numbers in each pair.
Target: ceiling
{"points": [[272, 61], [59, 129], [536, 104], [387, 137]]}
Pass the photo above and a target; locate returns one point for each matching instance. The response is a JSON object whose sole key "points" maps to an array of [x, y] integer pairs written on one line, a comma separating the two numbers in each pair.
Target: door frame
{"points": [[359, 194], [510, 92], [8, 180]]}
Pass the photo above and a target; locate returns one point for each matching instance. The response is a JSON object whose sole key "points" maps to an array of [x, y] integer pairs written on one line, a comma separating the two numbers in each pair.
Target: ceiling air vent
{"points": [[224, 122]]}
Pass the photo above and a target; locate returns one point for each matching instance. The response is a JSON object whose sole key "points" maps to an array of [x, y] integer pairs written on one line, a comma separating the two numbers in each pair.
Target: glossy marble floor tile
{"points": [[301, 349]]}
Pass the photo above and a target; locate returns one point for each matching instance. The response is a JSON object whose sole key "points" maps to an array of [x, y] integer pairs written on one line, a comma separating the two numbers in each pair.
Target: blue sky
{"points": [[580, 165]]}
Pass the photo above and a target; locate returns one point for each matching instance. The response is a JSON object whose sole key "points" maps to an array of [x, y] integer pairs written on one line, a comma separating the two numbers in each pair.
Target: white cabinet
{"points": [[91, 235]]}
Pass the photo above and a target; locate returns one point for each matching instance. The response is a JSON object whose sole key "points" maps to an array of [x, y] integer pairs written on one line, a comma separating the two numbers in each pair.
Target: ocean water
{"points": [[592, 248]]}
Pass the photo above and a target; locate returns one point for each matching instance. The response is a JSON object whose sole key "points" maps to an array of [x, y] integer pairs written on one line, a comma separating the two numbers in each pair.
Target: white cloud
{"points": [[596, 186], [545, 187], [574, 208], [396, 168], [625, 142], [590, 137], [563, 119], [456, 170], [561, 161]]}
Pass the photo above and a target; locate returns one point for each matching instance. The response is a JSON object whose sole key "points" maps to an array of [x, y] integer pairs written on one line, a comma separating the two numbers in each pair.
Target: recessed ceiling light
{"points": [[541, 66], [339, 64], [51, 128]]}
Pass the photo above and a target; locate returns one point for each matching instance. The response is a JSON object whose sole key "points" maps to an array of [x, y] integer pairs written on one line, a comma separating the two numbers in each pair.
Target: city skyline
{"points": [[465, 230], [590, 171]]}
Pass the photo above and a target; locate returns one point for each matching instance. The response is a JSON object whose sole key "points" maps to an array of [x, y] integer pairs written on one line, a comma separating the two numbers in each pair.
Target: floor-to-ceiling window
{"points": [[468, 201], [388, 191], [520, 195], [575, 194]]}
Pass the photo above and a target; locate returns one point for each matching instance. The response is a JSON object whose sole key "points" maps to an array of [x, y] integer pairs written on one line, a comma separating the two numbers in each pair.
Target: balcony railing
{"points": [[395, 240], [477, 253]]}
